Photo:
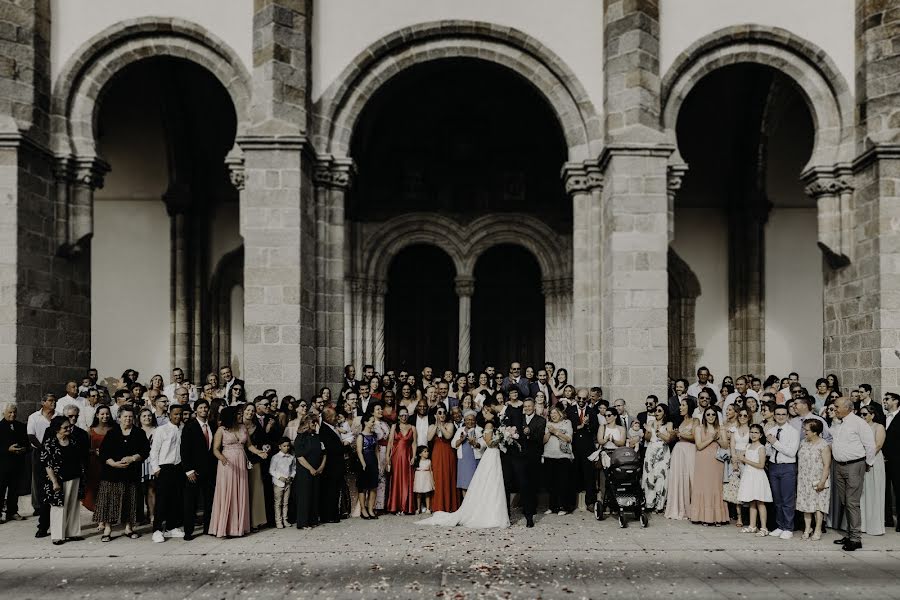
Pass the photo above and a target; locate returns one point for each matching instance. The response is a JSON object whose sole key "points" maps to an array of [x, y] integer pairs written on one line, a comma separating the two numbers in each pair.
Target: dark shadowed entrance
{"points": [[507, 309], [421, 311]]}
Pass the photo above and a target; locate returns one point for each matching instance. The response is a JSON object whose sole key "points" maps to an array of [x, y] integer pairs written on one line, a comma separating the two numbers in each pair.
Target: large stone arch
{"points": [[814, 72], [342, 103], [81, 83]]}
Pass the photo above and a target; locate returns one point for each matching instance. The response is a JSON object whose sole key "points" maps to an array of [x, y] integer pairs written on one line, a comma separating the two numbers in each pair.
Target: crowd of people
{"points": [[769, 456]]}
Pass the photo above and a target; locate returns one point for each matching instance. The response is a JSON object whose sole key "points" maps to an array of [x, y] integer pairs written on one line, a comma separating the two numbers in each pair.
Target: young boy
{"points": [[282, 468]]}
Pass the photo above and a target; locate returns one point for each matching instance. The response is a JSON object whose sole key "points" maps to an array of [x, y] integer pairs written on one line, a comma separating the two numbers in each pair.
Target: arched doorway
{"points": [[507, 309], [165, 217], [421, 310], [745, 226]]}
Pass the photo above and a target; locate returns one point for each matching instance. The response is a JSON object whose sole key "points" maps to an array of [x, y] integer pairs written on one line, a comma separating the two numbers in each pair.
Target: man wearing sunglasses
{"points": [[517, 380], [650, 403], [585, 425]]}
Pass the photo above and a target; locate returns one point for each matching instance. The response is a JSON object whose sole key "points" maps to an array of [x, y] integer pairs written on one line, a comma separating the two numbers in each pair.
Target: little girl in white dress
{"points": [[423, 482], [754, 483]]}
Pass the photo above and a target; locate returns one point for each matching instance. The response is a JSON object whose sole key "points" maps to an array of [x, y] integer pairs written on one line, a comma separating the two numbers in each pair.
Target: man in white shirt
{"points": [[803, 407], [71, 397], [86, 415], [703, 380], [177, 382], [740, 389], [783, 443], [853, 451], [160, 406], [704, 402], [165, 465], [35, 428]]}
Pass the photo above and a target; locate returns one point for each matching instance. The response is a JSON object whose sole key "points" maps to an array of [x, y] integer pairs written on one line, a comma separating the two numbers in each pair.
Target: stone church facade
{"points": [[339, 178]]}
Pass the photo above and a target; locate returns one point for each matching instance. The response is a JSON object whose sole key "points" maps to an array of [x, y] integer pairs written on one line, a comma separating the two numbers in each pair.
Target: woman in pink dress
{"points": [[231, 502], [707, 504]]}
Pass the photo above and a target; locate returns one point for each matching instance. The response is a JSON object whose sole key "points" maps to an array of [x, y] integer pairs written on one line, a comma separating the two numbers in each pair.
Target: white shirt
{"points": [[86, 415], [282, 465], [422, 430], [852, 439], [695, 388], [37, 425], [784, 450], [67, 400], [166, 447]]}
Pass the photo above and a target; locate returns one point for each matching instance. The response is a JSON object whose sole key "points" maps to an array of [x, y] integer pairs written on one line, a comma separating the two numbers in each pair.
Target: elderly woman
{"points": [[118, 498], [13, 461], [559, 462], [813, 475], [62, 460], [310, 465], [469, 446]]}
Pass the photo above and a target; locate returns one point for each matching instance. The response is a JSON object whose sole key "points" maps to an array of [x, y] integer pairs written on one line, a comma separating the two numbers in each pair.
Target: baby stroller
{"points": [[623, 468]]}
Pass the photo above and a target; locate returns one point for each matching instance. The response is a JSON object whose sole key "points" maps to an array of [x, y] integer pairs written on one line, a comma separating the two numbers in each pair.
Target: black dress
{"points": [[306, 486], [368, 479], [118, 496]]}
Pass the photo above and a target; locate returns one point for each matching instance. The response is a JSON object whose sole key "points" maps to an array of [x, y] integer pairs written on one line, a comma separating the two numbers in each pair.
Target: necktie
{"points": [[581, 416], [206, 435], [777, 437]]}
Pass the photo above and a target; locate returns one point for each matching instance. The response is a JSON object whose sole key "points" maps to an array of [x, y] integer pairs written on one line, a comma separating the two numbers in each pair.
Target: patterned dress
{"points": [[656, 472], [730, 490], [809, 471]]}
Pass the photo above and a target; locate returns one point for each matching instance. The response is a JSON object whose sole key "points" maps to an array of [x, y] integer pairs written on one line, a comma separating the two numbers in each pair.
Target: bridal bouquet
{"points": [[506, 437]]}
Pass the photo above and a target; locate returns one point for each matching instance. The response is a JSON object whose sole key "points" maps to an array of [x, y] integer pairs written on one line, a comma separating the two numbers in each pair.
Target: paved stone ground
{"points": [[562, 557]]}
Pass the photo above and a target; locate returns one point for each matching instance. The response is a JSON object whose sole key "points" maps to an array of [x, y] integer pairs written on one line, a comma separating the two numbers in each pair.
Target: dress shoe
{"points": [[41, 534], [529, 522], [188, 538], [850, 546], [841, 541]]}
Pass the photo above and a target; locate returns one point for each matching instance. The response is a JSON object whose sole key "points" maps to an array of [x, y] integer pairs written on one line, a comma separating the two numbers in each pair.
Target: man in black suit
{"points": [[585, 425], [228, 380], [199, 466], [515, 379], [333, 474], [350, 382], [866, 399], [891, 452], [13, 461], [541, 385], [650, 404], [525, 458]]}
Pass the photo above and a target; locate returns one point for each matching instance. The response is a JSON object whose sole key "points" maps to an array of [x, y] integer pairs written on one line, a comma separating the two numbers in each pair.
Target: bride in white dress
{"points": [[485, 503]]}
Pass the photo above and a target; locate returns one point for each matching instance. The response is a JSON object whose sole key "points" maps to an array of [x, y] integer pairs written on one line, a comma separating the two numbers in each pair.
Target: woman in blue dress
{"points": [[469, 445]]}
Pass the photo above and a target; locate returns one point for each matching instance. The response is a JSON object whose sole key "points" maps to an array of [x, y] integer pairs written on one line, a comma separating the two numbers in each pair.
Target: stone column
{"points": [[552, 334], [178, 200], [465, 288], [357, 291], [583, 183], [333, 323], [634, 220], [379, 291]]}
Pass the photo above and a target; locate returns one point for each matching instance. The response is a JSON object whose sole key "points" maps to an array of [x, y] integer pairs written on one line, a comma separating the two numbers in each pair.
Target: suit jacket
{"points": [[533, 444], [334, 452], [194, 454], [10, 434], [535, 387], [891, 447], [583, 439], [350, 384], [360, 411], [522, 385], [875, 406]]}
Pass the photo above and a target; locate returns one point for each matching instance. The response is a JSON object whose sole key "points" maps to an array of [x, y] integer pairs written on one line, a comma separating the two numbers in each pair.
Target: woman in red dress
{"points": [[400, 459], [443, 463]]}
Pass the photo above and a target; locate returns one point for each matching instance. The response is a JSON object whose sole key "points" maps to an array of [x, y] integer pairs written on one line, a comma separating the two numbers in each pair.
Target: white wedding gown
{"points": [[485, 503]]}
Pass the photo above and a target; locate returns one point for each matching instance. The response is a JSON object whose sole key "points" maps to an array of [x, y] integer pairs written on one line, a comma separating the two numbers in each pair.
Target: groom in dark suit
{"points": [[525, 459]]}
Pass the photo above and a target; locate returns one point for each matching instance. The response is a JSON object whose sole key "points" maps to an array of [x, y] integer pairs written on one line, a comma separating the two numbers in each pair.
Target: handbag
{"points": [[565, 447]]}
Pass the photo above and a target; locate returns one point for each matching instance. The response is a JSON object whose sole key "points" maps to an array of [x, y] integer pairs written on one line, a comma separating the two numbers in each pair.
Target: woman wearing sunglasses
{"points": [[872, 501], [657, 436]]}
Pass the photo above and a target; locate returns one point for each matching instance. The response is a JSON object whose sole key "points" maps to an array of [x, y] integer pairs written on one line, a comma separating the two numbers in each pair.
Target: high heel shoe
{"points": [[806, 534], [816, 537]]}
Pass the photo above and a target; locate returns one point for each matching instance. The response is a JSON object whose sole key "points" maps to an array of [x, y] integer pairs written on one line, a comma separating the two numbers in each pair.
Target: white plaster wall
{"points": [[76, 21], [826, 23], [573, 30], [794, 295], [130, 288], [700, 241]]}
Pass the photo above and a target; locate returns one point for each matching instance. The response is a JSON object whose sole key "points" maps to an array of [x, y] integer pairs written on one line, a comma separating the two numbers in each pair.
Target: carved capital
{"points": [[465, 286], [582, 178], [334, 173], [62, 169], [89, 172], [828, 186], [674, 177]]}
